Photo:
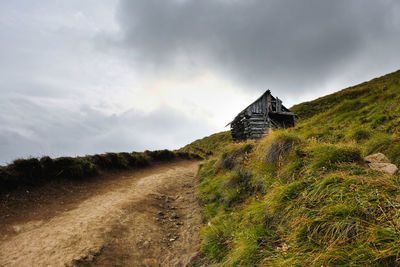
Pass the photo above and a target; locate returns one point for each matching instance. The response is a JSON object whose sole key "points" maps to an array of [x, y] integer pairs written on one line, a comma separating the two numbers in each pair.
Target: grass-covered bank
{"points": [[210, 145], [304, 196], [35, 171]]}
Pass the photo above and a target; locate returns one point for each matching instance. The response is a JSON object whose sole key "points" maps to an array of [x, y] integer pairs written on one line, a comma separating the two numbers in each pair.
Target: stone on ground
{"points": [[381, 163], [388, 168], [377, 158]]}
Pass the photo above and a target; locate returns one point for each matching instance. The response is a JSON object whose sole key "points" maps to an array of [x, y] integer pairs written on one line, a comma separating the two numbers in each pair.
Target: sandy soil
{"points": [[132, 218]]}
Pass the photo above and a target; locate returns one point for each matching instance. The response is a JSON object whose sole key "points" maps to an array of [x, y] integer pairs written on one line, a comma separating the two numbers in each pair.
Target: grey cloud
{"points": [[29, 129], [52, 79], [288, 45]]}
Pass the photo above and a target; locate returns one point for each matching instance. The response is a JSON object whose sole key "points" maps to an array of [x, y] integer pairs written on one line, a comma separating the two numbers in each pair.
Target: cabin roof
{"points": [[268, 92]]}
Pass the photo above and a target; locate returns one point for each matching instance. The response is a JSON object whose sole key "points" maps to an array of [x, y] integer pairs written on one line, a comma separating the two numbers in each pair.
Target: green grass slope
{"points": [[209, 145], [304, 196]]}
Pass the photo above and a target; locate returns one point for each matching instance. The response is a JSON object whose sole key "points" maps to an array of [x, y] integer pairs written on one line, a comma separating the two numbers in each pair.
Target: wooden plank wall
{"points": [[255, 121]]}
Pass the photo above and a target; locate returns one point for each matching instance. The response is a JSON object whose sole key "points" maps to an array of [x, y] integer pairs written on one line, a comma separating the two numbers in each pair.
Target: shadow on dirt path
{"points": [[146, 218]]}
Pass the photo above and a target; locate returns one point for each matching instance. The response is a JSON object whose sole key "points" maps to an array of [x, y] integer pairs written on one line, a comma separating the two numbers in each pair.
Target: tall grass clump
{"points": [[380, 142], [360, 134], [394, 153], [276, 146], [74, 168], [327, 156], [33, 171], [160, 155], [280, 146], [234, 156]]}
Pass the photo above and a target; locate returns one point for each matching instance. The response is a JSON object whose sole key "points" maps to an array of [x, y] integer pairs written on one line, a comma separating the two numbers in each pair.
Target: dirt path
{"points": [[147, 218]]}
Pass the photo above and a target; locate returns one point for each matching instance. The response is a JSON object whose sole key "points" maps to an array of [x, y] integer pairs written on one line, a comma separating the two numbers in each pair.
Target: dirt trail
{"points": [[150, 218]]}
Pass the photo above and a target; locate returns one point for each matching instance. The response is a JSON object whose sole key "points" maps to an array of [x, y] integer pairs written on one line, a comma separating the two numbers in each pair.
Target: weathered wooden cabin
{"points": [[265, 113]]}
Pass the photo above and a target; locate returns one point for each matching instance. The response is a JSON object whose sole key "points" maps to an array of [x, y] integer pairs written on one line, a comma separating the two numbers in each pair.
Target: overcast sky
{"points": [[89, 76]]}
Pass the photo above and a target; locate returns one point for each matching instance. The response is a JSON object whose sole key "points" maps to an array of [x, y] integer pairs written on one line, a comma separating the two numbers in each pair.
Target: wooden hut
{"points": [[265, 113]]}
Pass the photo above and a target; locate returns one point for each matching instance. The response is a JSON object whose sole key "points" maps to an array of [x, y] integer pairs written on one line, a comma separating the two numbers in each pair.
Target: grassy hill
{"points": [[209, 145], [304, 196]]}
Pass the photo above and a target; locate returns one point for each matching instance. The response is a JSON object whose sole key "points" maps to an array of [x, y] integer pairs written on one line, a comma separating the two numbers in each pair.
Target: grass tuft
{"points": [[281, 144], [32, 171], [328, 156]]}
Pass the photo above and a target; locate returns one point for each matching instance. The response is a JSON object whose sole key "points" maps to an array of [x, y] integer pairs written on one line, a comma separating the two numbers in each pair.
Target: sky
{"points": [[84, 77]]}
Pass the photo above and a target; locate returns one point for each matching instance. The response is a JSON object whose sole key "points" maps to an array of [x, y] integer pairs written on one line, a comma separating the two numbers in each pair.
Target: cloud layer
{"points": [[288, 45], [31, 130]]}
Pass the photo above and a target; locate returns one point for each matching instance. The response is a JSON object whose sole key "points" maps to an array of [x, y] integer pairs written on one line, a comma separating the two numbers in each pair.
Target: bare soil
{"points": [[129, 218]]}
